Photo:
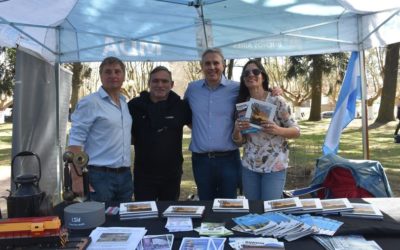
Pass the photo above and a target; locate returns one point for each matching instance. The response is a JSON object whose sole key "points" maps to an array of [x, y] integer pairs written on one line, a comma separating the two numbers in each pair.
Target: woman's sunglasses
{"points": [[255, 72]]}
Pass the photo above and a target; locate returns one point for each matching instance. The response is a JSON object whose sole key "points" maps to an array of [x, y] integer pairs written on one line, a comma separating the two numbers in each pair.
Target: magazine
{"points": [[346, 242], [138, 210], [116, 237], [288, 204], [310, 205], [335, 205], [230, 205], [363, 210], [184, 211], [259, 111], [202, 243], [159, 242], [241, 109]]}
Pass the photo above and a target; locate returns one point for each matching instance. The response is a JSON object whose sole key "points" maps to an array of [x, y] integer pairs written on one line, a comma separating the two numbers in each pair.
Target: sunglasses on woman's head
{"points": [[255, 72]]}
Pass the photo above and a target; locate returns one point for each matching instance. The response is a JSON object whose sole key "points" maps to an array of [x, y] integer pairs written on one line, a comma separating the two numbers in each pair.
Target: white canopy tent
{"points": [[178, 30], [171, 30]]}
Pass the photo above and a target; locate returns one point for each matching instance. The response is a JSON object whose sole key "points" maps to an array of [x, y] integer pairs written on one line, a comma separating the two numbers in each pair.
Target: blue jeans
{"points": [[216, 177], [111, 186], [263, 186]]}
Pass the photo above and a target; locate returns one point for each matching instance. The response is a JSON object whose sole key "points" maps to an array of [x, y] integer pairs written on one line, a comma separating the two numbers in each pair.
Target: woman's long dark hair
{"points": [[244, 93]]}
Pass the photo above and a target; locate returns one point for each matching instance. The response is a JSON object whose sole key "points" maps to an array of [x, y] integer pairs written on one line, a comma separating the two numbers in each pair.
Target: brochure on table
{"points": [[116, 238]]}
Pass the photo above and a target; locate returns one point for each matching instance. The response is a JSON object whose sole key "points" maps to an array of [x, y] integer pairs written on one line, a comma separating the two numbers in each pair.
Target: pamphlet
{"points": [[259, 111]]}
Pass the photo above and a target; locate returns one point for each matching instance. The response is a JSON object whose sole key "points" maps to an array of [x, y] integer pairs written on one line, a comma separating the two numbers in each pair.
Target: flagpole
{"points": [[364, 110]]}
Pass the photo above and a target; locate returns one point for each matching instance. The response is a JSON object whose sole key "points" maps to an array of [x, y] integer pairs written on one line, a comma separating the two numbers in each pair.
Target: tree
{"points": [[80, 72], [312, 67], [7, 77], [296, 91], [137, 74], [390, 72], [192, 70]]}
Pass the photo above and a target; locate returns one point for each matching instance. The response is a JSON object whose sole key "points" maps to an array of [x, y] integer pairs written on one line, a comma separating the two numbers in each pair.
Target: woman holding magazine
{"points": [[263, 135]]}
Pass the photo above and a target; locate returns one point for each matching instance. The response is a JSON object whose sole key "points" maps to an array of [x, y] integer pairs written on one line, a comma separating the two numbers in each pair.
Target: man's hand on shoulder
{"points": [[276, 91]]}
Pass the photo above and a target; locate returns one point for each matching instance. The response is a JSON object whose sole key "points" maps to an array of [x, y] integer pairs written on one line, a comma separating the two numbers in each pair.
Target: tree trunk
{"points": [[390, 70], [230, 68], [316, 87], [76, 84]]}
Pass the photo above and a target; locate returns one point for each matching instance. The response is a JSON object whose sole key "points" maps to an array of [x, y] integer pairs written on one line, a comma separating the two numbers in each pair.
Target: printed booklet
{"points": [[231, 205], [259, 111], [288, 204], [363, 210], [310, 205], [207, 243], [241, 109], [116, 238], [335, 205], [138, 210], [184, 211], [156, 242]]}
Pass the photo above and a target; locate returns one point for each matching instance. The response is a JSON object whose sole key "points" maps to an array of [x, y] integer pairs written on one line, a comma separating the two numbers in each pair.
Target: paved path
{"points": [[5, 173]]}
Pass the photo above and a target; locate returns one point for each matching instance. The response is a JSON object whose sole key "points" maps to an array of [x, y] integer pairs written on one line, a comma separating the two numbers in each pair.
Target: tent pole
{"points": [[364, 110], [58, 139]]}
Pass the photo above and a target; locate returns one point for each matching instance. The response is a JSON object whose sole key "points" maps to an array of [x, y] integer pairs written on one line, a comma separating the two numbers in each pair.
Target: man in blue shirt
{"points": [[101, 126], [215, 157]]}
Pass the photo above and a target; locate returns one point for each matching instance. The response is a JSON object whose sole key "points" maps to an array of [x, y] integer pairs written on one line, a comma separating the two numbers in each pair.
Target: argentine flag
{"points": [[345, 110]]}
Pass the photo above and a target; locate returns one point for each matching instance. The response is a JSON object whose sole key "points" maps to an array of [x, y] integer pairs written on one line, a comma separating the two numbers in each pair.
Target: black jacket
{"points": [[157, 130]]}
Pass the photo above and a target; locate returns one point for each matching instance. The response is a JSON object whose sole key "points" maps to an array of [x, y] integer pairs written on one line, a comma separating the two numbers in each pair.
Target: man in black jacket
{"points": [[157, 129]]}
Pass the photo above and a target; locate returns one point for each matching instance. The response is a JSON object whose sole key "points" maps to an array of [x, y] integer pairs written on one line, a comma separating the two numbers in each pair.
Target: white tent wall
{"points": [[37, 125]]}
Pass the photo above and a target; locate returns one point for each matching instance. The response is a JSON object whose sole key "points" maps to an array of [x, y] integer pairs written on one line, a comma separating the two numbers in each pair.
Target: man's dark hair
{"points": [[158, 69]]}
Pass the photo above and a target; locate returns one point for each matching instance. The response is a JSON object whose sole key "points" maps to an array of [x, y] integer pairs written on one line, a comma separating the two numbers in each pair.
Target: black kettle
{"points": [[26, 200]]}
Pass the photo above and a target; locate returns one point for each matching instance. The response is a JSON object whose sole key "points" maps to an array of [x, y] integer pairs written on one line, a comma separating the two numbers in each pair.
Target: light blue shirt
{"points": [[212, 115], [103, 129]]}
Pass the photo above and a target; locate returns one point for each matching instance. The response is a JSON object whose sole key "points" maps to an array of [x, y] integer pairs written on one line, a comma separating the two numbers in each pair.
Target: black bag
{"points": [[397, 139]]}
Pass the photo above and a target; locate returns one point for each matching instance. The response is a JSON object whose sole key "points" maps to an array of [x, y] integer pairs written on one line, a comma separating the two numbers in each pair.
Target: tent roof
{"points": [[172, 30]]}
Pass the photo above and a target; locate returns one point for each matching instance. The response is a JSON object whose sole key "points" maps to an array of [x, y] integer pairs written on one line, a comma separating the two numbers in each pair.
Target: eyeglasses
{"points": [[255, 72]]}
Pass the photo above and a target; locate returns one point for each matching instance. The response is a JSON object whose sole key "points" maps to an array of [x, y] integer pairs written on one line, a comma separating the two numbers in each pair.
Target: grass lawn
{"points": [[304, 151]]}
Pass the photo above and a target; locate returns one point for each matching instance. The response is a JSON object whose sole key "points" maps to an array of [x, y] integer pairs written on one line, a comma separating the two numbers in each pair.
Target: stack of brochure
{"points": [[231, 205], [213, 229], [363, 210], [283, 205], [346, 242], [159, 242], [184, 211], [202, 243], [311, 205], [138, 210], [179, 224], [330, 206], [289, 227], [259, 243], [116, 237]]}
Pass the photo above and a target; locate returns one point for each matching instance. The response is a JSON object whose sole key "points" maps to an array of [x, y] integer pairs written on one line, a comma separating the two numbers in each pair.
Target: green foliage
{"points": [[7, 70]]}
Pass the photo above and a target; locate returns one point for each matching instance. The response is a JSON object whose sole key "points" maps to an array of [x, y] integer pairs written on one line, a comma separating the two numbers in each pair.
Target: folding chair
{"points": [[337, 177]]}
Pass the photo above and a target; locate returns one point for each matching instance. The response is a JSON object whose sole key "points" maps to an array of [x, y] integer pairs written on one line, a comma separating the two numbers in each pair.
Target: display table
{"points": [[385, 232]]}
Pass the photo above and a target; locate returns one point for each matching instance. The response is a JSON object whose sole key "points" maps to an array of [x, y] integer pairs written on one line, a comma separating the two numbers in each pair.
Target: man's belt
{"points": [[216, 154], [109, 169]]}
